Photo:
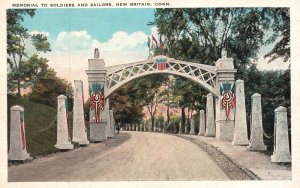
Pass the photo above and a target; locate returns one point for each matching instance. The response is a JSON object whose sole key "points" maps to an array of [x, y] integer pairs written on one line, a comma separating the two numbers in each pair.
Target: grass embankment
{"points": [[38, 117]]}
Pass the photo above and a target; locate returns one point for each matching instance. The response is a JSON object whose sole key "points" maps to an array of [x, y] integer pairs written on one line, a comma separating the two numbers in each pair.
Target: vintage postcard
{"points": [[160, 93]]}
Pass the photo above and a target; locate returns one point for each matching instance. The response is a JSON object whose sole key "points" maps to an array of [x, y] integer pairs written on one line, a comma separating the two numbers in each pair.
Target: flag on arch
{"points": [[149, 42], [154, 41]]}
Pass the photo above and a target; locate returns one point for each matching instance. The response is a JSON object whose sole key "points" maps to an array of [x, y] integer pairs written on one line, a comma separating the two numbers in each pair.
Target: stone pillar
{"points": [[281, 151], [159, 128], [256, 140], [98, 114], [17, 149], [175, 128], [201, 123], [180, 128], [154, 129], [240, 125], [112, 122], [129, 127], [108, 130], [164, 126], [225, 86], [62, 141], [79, 129], [210, 119], [192, 131], [186, 127]]}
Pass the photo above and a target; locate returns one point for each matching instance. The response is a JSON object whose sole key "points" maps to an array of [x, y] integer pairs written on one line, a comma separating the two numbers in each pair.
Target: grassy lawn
{"points": [[40, 139]]}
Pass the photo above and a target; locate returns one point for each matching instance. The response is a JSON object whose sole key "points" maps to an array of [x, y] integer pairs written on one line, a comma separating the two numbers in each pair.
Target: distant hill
{"points": [[40, 136]]}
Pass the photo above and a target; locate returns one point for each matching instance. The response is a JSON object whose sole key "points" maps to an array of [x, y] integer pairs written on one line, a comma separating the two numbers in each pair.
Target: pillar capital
{"points": [[61, 97], [16, 108], [225, 69], [281, 109]]}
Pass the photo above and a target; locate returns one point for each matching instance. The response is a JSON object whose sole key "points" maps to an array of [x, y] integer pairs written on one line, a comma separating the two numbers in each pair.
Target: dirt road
{"points": [[143, 156]]}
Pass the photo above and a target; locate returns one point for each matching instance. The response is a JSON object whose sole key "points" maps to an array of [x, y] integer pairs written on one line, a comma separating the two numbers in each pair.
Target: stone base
{"points": [[83, 142], [209, 135], [186, 131], [108, 132], [256, 148], [281, 158], [180, 132], [67, 146], [97, 132], [201, 134], [192, 133], [18, 156], [240, 143], [225, 130]]}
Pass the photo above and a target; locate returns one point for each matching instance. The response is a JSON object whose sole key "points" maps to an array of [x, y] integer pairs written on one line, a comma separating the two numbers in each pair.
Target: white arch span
{"points": [[204, 75]]}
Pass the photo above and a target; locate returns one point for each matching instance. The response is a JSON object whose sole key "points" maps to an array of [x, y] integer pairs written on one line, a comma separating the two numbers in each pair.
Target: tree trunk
{"points": [[152, 121], [188, 118], [19, 87], [183, 116]]}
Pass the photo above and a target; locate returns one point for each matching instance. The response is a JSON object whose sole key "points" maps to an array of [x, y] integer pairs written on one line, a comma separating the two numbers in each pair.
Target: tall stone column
{"points": [[240, 125], [108, 130], [112, 122], [186, 127], [281, 151], [180, 128], [17, 144], [256, 140], [79, 129], [225, 106], [62, 141], [98, 107], [192, 131], [201, 123], [210, 118], [154, 130], [159, 127], [175, 128]]}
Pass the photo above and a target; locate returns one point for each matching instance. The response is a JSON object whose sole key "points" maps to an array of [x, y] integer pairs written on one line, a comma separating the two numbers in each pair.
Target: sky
{"points": [[121, 36]]}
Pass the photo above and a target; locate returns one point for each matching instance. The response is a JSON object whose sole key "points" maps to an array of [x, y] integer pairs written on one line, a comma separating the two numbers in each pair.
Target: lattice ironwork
{"points": [[118, 75]]}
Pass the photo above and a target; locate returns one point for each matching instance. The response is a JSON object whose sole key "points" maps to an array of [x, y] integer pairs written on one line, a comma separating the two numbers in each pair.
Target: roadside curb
{"points": [[248, 172]]}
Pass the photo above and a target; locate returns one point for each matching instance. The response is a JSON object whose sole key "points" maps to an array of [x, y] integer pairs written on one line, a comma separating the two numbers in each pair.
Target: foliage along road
{"points": [[129, 156]]}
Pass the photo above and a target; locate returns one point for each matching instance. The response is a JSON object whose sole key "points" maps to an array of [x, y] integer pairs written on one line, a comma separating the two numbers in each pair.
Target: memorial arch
{"points": [[204, 75], [219, 80]]}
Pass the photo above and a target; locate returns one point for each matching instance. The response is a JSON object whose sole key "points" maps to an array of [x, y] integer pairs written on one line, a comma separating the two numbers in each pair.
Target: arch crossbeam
{"points": [[118, 75]]}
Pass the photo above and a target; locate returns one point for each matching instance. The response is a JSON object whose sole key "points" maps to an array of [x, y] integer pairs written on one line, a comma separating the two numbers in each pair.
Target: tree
{"points": [[17, 39], [189, 95], [167, 97], [200, 35], [129, 100], [46, 90], [124, 110], [281, 28]]}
